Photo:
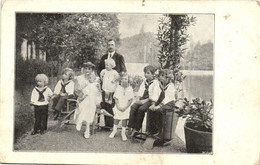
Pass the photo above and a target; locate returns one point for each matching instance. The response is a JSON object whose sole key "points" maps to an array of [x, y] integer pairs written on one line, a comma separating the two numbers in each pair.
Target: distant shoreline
{"points": [[137, 69], [198, 72]]}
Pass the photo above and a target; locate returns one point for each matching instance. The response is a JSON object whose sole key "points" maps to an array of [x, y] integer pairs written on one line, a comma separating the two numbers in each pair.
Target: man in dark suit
{"points": [[119, 59], [120, 67]]}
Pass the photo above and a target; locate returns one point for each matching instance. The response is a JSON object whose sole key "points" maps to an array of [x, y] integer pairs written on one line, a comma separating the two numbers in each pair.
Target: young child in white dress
{"points": [[109, 78], [89, 97], [123, 99]]}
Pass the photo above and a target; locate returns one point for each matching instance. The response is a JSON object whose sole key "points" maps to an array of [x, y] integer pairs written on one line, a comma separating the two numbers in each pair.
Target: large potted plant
{"points": [[198, 126]]}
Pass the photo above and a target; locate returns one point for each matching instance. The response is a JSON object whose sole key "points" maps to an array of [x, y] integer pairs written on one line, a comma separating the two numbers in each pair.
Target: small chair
{"points": [[69, 111], [100, 112]]}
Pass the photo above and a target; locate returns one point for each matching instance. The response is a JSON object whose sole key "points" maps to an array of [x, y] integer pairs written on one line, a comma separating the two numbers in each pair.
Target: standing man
{"points": [[120, 67], [119, 59]]}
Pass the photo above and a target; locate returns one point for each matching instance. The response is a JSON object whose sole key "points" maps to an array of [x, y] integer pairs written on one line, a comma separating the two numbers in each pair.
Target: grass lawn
{"points": [[24, 117]]}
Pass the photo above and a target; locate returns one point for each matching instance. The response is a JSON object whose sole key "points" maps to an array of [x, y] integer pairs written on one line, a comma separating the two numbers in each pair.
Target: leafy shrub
{"points": [[23, 114], [26, 70], [136, 81], [199, 114]]}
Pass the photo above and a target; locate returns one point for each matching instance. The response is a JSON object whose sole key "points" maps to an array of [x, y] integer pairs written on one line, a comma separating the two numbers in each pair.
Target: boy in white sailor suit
{"points": [[147, 94], [165, 102], [39, 103], [63, 90]]}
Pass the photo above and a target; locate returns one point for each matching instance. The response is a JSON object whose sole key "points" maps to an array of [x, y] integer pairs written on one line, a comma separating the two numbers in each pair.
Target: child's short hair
{"points": [[89, 65], [111, 62], [42, 77], [70, 71], [150, 68], [125, 74], [92, 76]]}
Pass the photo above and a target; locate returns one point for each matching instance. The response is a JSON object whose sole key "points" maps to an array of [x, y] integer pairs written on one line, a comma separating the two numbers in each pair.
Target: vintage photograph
{"points": [[114, 82]]}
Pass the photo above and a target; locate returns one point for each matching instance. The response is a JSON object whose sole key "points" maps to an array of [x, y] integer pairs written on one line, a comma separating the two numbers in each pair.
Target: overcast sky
{"points": [[130, 24]]}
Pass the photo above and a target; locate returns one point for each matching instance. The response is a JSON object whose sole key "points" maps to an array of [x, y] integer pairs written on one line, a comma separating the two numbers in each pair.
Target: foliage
{"points": [[23, 114], [25, 71], [27, 27], [199, 114], [199, 57], [135, 82], [172, 36], [78, 37], [23, 120]]}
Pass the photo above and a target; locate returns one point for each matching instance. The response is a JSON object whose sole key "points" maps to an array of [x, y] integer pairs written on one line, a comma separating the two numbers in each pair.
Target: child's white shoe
{"points": [[78, 127], [86, 134], [112, 135], [124, 138]]}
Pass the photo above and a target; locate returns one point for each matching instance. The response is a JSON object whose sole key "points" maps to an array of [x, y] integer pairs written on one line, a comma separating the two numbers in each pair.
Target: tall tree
{"points": [[28, 26], [78, 37], [172, 36]]}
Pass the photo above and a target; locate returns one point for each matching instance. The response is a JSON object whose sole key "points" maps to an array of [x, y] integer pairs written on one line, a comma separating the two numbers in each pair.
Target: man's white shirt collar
{"points": [[110, 54]]}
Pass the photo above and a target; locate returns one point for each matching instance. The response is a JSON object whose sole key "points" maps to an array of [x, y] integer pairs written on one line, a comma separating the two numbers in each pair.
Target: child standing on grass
{"points": [[39, 103], [63, 90], [123, 98], [89, 97]]}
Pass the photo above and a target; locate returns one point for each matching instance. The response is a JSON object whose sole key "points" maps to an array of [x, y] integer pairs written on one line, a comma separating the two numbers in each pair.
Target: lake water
{"points": [[196, 84]]}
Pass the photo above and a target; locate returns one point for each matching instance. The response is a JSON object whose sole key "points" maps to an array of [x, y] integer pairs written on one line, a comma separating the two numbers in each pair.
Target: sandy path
{"points": [[68, 139]]}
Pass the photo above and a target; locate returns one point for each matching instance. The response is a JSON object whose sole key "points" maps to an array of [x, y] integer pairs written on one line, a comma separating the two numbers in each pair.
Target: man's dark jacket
{"points": [[119, 60]]}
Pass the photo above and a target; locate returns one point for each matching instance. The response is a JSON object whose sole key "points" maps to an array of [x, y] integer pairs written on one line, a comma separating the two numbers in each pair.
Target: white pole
{"points": [[144, 54], [24, 49]]}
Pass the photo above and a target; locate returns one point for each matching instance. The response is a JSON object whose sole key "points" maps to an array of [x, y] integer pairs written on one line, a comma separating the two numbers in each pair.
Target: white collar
{"points": [[40, 88], [66, 82], [111, 53]]}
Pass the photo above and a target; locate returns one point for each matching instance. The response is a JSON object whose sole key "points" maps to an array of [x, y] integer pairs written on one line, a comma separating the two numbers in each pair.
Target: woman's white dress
{"points": [[87, 108], [123, 95]]}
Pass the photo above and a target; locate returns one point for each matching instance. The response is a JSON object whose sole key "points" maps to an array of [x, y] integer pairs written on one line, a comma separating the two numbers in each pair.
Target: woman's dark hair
{"points": [[89, 65]]}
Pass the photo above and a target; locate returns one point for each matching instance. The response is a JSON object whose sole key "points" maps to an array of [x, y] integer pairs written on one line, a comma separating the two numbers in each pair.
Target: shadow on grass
{"points": [[23, 119]]}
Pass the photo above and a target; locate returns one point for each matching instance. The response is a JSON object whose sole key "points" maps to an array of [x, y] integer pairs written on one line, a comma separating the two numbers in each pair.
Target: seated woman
{"points": [[89, 96]]}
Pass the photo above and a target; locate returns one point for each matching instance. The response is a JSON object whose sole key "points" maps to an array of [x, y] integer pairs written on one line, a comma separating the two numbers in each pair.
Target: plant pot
{"points": [[197, 141]]}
